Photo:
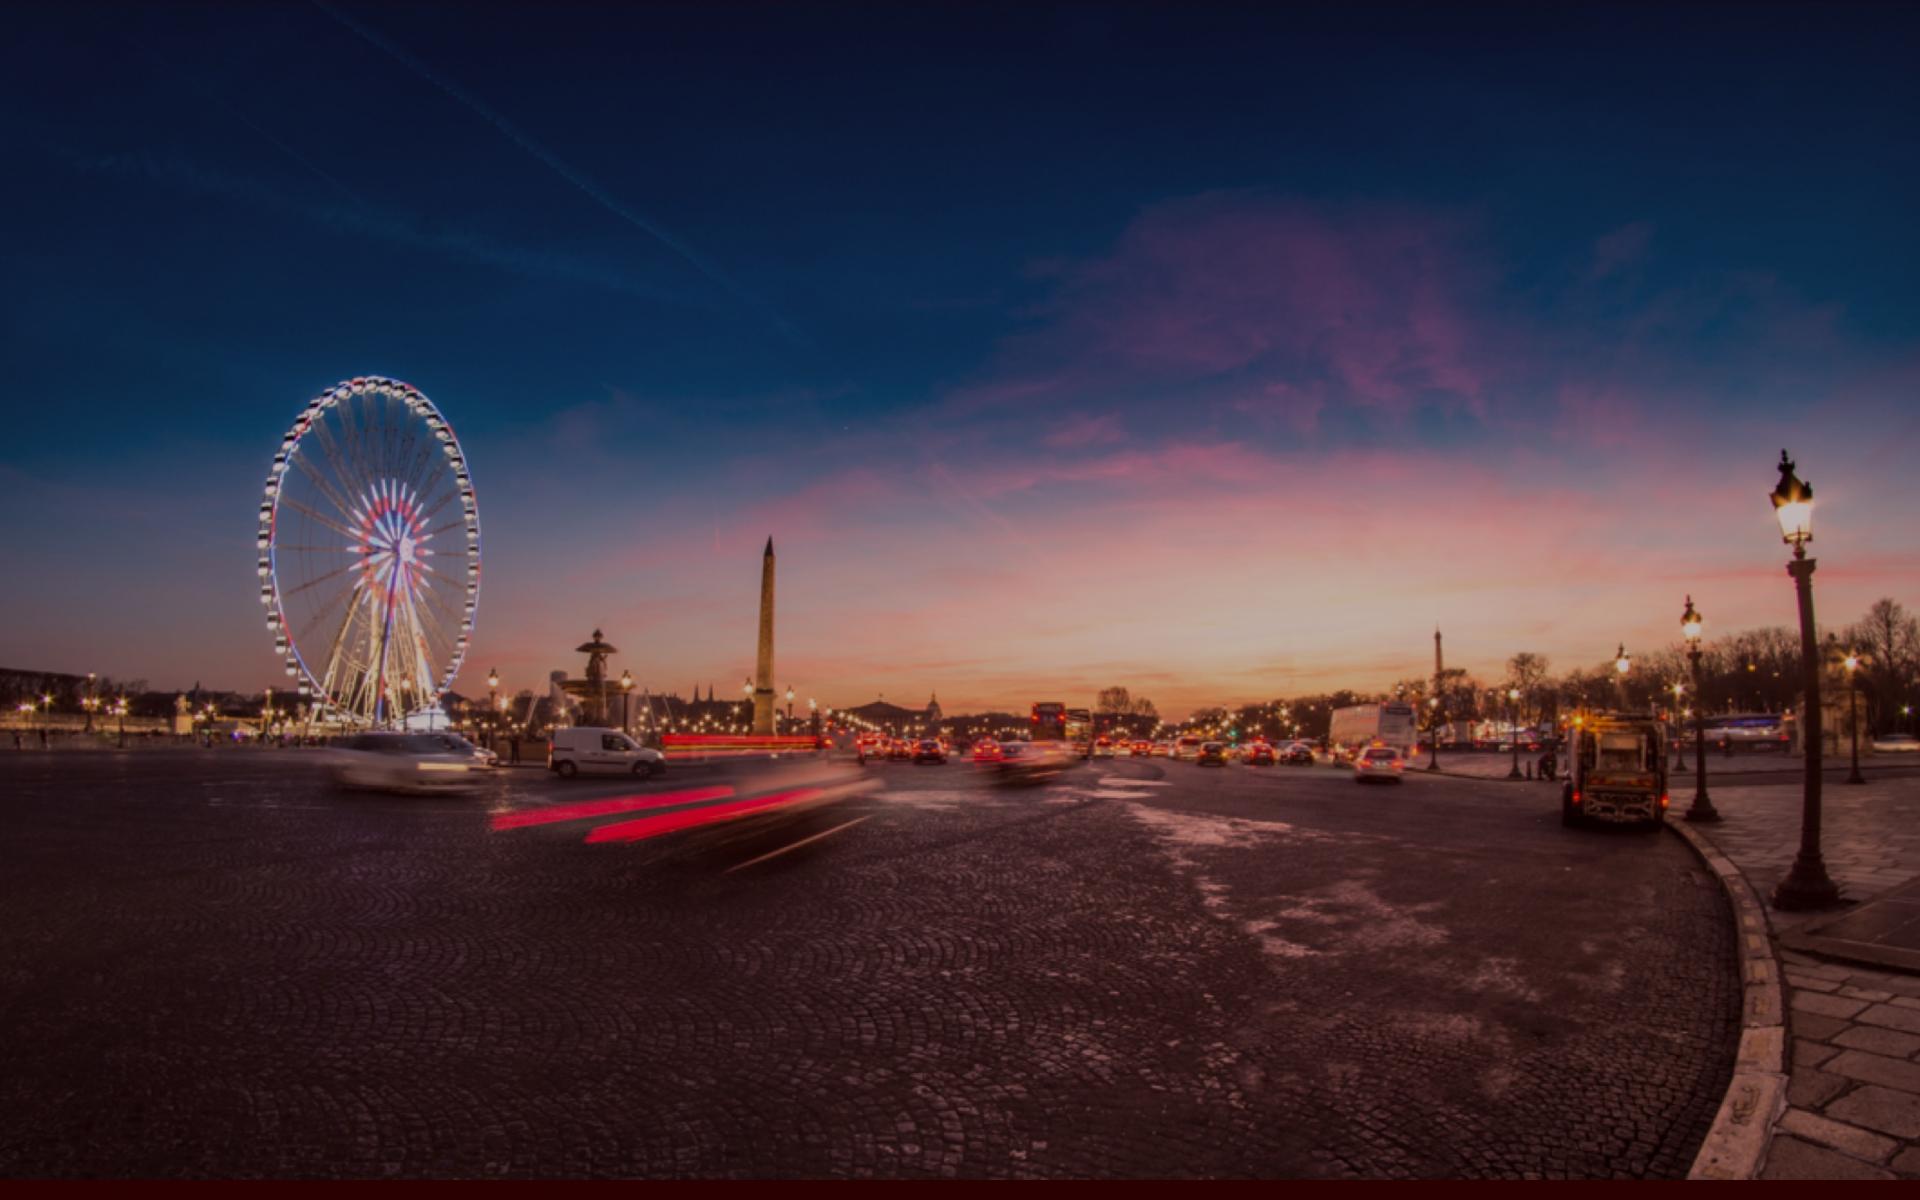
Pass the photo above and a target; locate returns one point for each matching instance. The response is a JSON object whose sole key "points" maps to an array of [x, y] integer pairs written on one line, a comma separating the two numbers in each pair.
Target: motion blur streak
{"points": [[646, 827], [600, 808]]}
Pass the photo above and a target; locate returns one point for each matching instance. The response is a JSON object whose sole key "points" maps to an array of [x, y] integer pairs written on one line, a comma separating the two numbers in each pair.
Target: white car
{"points": [[1379, 762], [590, 750], [405, 762], [1897, 743]]}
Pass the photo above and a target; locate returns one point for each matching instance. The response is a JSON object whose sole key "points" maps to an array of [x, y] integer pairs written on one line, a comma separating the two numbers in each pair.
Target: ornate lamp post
{"points": [[91, 702], [813, 714], [1622, 663], [1807, 884], [493, 699], [1513, 729], [120, 710], [1853, 712], [626, 705], [1691, 626], [1679, 691], [789, 705], [1433, 733]]}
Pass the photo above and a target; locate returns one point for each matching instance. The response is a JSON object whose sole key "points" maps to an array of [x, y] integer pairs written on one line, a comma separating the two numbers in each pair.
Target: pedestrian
{"points": [[514, 744], [16, 740], [43, 739]]}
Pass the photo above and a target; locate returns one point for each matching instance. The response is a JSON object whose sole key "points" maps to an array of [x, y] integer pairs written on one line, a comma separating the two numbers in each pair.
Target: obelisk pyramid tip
{"points": [[769, 553]]}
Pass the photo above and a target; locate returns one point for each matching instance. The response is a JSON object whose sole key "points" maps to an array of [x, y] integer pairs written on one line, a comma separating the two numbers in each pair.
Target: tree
{"points": [[1889, 638], [1143, 707], [1114, 700]]}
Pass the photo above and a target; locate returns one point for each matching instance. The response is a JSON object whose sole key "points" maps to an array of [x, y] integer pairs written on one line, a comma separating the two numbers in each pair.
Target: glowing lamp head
{"points": [[1793, 506], [626, 681], [1691, 623], [493, 679], [1852, 662], [1621, 662], [1513, 693]]}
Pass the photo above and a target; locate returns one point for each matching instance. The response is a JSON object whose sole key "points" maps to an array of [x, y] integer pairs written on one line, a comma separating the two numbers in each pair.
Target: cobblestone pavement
{"points": [[1853, 1090], [214, 964]]}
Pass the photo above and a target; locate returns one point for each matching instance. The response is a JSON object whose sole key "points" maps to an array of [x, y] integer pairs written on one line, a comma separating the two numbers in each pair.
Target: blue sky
{"points": [[977, 312]]}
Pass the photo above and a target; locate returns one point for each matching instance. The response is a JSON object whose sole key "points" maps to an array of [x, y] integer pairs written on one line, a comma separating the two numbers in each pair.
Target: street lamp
{"points": [[1853, 713], [1622, 663], [1692, 624], [1807, 884], [626, 699], [789, 704], [1433, 733], [1513, 729]]}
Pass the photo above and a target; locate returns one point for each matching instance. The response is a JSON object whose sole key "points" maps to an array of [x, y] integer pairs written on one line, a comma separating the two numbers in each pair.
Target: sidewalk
{"points": [[1492, 765], [1852, 1106]]}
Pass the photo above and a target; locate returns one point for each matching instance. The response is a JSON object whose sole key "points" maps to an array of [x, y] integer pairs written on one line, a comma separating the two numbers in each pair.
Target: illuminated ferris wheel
{"points": [[370, 553]]}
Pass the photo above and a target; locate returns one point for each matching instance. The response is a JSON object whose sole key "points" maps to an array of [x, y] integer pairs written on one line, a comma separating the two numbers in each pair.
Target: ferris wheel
{"points": [[370, 553]]}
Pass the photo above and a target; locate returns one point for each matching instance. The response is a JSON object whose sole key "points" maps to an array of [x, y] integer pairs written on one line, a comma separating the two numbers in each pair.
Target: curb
{"points": [[1736, 1144]]}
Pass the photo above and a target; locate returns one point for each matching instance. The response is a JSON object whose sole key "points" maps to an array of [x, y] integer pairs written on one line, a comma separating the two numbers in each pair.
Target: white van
{"points": [[585, 749]]}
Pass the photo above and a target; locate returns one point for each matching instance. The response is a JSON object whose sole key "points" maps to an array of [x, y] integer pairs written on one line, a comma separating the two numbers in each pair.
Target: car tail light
{"points": [[1576, 797], [1663, 799]]}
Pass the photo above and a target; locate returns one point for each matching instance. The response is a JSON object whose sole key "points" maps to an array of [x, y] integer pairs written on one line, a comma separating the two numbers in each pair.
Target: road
{"points": [[215, 964]]}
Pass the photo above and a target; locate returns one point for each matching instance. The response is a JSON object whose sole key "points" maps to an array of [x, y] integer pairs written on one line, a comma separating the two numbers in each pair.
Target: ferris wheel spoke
{"points": [[320, 579], [321, 517], [343, 469], [318, 620], [326, 487]]}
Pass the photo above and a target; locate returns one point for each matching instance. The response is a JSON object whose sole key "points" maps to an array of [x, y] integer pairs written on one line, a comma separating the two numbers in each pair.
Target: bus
{"points": [[1389, 723], [1049, 722], [1754, 731]]}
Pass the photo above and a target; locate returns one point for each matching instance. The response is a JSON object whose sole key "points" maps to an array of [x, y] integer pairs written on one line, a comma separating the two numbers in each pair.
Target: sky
{"points": [[1219, 353]]}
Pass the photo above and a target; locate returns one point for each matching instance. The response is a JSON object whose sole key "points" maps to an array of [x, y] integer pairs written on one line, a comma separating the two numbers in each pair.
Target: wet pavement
{"points": [[216, 964]]}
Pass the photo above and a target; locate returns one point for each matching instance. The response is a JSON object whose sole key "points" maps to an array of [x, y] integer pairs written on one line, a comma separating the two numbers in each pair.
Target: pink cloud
{"points": [[1295, 308]]}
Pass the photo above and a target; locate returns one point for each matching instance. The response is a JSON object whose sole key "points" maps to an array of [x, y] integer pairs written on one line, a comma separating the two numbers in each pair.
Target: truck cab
{"points": [[1617, 770]]}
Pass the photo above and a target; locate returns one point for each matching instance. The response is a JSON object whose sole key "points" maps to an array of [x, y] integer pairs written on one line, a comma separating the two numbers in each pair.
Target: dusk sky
{"points": [[1218, 354]]}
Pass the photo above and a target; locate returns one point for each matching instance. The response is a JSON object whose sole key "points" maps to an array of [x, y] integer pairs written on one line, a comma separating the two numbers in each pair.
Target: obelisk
{"points": [[763, 672]]}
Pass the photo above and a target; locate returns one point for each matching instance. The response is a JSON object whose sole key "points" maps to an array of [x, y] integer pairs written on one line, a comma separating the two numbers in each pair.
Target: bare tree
{"points": [[1115, 700], [1889, 638]]}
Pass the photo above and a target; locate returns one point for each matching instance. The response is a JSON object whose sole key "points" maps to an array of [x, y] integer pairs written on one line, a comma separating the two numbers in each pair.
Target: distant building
{"points": [[891, 718]]}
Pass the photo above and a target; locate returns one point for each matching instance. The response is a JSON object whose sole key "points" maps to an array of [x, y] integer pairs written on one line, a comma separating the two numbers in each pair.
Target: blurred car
{"points": [[1032, 762], [1186, 747], [460, 745], [1380, 763], [1163, 750], [927, 750], [1211, 754], [1259, 755], [1297, 754], [1897, 743], [1141, 749], [986, 750], [1103, 748], [404, 762], [899, 750]]}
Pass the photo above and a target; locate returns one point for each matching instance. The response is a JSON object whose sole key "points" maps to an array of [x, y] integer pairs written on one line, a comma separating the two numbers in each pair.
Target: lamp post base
{"points": [[1806, 887], [1702, 810]]}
